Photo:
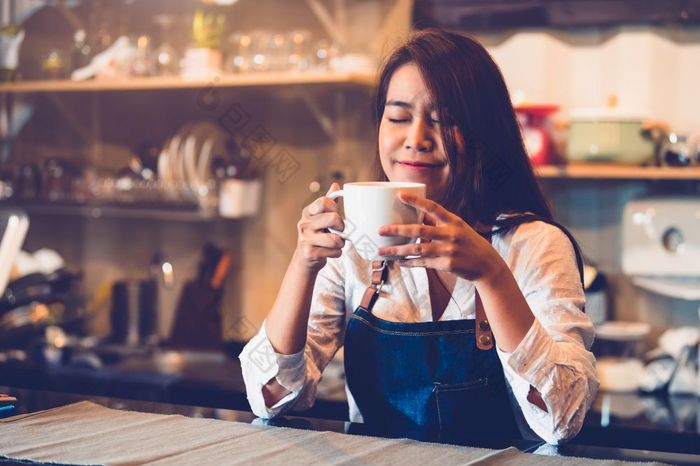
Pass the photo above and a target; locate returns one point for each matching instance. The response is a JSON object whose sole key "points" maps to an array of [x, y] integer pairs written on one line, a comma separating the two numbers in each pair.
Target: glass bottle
{"points": [[167, 59]]}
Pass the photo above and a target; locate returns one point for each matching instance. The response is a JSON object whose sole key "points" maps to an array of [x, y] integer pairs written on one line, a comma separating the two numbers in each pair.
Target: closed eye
{"points": [[398, 120]]}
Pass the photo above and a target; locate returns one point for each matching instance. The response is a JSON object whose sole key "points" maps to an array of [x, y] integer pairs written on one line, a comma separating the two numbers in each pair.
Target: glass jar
{"points": [[676, 151]]}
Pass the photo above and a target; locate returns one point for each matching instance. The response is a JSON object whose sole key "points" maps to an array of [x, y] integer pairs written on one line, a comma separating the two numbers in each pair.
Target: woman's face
{"points": [[410, 144]]}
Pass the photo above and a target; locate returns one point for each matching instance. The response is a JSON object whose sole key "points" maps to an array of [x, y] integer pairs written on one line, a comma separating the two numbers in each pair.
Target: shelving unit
{"points": [[162, 83], [242, 81], [616, 172]]}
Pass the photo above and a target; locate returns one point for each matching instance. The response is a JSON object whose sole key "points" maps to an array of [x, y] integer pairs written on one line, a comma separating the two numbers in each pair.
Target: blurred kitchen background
{"points": [[163, 151]]}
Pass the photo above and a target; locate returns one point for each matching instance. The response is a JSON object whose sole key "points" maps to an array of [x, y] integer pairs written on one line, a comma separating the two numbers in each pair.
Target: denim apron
{"points": [[430, 380]]}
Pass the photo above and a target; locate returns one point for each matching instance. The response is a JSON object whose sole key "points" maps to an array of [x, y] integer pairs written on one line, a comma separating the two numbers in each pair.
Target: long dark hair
{"points": [[491, 174]]}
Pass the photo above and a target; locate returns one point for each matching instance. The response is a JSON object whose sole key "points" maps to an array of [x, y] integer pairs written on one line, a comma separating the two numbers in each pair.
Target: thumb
{"points": [[334, 187]]}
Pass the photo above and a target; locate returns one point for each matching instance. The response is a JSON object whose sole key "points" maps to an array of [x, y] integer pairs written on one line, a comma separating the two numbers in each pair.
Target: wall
{"points": [[651, 70]]}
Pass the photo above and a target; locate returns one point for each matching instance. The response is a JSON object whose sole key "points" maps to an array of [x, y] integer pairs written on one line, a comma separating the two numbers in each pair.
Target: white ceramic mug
{"points": [[368, 206]]}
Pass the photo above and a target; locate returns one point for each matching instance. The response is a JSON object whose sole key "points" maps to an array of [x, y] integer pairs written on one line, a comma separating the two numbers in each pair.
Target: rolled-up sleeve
{"points": [[299, 373], [554, 356]]}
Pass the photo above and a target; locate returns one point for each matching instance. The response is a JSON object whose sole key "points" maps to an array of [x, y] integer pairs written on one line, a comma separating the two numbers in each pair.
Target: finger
{"points": [[416, 262], [328, 204], [316, 252], [315, 208], [429, 222], [434, 211], [414, 231], [403, 250], [320, 205], [326, 220], [323, 240]]}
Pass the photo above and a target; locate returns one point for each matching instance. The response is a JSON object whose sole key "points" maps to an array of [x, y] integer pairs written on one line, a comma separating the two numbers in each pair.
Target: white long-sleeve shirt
{"points": [[553, 357]]}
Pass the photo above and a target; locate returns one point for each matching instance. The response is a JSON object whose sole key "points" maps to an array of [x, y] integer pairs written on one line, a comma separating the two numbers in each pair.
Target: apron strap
{"points": [[484, 337], [380, 271]]}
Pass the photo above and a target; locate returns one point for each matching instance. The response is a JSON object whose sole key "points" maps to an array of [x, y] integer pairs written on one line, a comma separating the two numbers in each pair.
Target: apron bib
{"points": [[427, 379]]}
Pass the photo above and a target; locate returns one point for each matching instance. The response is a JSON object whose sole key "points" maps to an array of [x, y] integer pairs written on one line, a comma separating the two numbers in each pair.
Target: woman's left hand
{"points": [[448, 243]]}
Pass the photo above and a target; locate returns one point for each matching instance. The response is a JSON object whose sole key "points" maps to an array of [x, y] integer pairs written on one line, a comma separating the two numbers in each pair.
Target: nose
{"points": [[419, 137]]}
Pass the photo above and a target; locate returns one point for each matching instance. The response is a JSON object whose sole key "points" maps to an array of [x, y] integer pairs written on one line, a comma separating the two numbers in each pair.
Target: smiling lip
{"points": [[419, 165]]}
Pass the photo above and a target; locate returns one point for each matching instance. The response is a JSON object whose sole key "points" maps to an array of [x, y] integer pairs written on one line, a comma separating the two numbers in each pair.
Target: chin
{"points": [[411, 176], [415, 177]]}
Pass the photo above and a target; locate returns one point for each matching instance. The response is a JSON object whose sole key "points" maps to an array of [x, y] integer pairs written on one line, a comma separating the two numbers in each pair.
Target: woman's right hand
{"points": [[315, 244]]}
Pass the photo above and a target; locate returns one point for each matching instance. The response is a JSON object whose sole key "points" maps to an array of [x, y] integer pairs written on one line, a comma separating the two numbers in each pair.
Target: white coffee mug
{"points": [[368, 206]]}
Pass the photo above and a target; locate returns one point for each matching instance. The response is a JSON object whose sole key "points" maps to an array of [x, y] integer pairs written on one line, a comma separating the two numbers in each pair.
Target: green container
{"points": [[607, 138]]}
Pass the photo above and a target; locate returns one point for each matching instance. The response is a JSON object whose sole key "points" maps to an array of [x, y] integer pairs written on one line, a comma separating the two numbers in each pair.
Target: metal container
{"points": [[134, 316]]}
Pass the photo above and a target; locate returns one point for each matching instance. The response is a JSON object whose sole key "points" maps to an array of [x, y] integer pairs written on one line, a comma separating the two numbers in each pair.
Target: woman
{"points": [[414, 357]]}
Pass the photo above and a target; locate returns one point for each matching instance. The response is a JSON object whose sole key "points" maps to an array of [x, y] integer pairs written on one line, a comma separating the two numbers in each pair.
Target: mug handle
{"points": [[335, 195]]}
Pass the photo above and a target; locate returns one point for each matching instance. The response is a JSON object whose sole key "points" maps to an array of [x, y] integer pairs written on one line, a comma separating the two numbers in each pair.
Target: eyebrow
{"points": [[398, 103], [406, 105]]}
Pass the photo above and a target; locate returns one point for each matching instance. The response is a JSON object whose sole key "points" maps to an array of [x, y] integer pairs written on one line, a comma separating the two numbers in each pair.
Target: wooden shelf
{"points": [[96, 211], [616, 172], [158, 83]]}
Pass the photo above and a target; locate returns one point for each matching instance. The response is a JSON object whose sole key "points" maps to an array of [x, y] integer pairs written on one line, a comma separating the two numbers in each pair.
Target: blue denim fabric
{"points": [[426, 380]]}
